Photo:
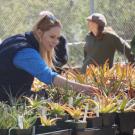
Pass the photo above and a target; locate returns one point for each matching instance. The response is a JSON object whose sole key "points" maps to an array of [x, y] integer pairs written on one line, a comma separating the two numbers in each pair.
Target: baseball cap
{"points": [[98, 18]]}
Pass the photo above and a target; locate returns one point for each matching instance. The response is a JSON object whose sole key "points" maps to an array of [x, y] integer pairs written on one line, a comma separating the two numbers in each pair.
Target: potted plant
{"points": [[75, 123], [126, 115], [7, 120], [48, 126], [10, 121]]}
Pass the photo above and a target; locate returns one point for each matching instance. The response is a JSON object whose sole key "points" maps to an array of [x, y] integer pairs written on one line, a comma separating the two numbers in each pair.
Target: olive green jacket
{"points": [[133, 45], [98, 51]]}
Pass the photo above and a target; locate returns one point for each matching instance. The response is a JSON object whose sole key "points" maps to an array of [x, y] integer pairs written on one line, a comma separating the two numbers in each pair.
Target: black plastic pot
{"points": [[108, 119], [38, 122], [94, 122], [3, 131], [107, 131], [61, 123], [126, 123], [78, 125], [60, 132], [75, 126]]}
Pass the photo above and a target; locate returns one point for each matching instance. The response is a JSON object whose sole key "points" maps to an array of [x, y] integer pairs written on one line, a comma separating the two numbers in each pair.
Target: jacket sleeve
{"points": [[85, 48], [133, 45], [123, 47], [30, 61]]}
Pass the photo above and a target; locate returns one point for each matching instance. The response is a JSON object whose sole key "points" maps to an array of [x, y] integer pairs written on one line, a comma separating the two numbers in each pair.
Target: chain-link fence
{"points": [[19, 16]]}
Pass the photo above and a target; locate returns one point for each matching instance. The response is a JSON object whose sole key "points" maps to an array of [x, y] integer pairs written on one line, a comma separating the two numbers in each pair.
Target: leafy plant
{"points": [[8, 117], [56, 109], [35, 103], [48, 121], [75, 113], [38, 85]]}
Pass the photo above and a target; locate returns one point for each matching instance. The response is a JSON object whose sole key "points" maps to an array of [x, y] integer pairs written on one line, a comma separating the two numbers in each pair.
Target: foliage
{"points": [[38, 85], [35, 103], [23, 14], [48, 121], [9, 116], [56, 109], [75, 113], [116, 84], [19, 16]]}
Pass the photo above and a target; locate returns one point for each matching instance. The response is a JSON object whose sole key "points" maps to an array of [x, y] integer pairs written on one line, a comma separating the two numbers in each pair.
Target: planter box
{"points": [[60, 132], [89, 131], [22, 132], [107, 131], [92, 131], [126, 123], [16, 131]]}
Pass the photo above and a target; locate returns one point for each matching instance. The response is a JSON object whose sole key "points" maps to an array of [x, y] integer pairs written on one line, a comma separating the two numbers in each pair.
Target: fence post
{"points": [[91, 6]]}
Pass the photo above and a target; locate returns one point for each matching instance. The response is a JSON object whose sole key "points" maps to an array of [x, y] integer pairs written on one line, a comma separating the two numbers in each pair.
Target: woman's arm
{"points": [[30, 60], [60, 81], [123, 47]]}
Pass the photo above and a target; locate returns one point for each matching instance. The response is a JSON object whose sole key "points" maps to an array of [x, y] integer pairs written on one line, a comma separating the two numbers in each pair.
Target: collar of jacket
{"points": [[32, 40]]}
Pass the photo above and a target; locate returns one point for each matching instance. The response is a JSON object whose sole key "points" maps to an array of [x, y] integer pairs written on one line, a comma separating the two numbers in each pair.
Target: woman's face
{"points": [[49, 39], [92, 26]]}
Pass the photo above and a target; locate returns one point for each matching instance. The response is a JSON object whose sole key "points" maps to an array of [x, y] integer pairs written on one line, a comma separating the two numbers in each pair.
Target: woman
{"points": [[29, 55], [102, 42], [61, 51]]}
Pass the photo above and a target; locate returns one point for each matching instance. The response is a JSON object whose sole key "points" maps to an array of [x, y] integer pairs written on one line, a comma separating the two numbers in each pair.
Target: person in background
{"points": [[102, 42], [61, 51], [29, 55]]}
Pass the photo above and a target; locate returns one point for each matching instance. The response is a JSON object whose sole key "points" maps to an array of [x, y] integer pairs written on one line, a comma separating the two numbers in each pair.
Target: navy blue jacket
{"points": [[10, 80]]}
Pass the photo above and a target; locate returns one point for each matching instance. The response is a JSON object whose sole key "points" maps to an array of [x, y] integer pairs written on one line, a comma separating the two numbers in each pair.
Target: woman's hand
{"points": [[90, 90]]}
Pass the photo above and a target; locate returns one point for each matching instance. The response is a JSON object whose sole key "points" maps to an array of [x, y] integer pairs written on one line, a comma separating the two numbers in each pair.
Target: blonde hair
{"points": [[46, 22], [109, 30], [104, 30]]}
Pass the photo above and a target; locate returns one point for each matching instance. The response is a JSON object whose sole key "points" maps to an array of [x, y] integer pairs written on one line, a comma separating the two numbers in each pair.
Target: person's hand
{"points": [[90, 90]]}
